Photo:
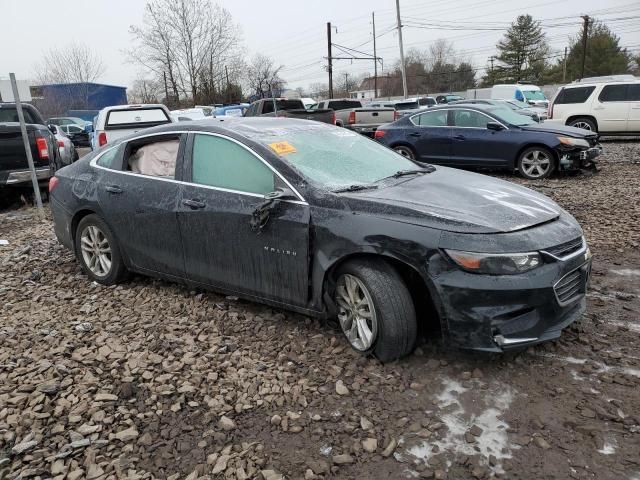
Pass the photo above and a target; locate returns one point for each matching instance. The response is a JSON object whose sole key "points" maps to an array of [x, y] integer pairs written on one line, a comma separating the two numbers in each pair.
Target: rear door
{"points": [[612, 108], [431, 136], [633, 96], [226, 184], [141, 206], [474, 145]]}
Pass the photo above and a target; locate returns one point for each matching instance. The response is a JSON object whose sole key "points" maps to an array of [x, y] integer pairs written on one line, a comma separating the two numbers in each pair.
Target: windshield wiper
{"points": [[405, 173], [355, 188]]}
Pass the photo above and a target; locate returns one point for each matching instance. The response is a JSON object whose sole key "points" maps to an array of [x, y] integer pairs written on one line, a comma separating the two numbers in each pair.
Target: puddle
{"points": [[626, 272], [492, 404]]}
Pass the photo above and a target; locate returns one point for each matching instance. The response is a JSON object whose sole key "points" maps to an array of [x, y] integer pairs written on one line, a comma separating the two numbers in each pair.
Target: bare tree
{"points": [[263, 77], [193, 42], [146, 90]]}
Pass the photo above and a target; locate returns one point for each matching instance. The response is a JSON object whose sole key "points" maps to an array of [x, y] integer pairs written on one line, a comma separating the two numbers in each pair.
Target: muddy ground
{"points": [[152, 380]]}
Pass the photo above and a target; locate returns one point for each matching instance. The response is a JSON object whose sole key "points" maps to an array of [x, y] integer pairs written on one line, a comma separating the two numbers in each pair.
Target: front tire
{"points": [[584, 123], [375, 309], [98, 252], [536, 163], [406, 152]]}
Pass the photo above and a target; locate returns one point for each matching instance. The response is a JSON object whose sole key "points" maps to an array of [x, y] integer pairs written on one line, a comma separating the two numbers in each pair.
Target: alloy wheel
{"points": [[96, 251], [356, 312], [536, 164], [405, 152], [583, 125]]}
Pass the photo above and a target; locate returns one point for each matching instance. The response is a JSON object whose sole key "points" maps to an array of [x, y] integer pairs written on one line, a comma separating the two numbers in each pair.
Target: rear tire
{"points": [[405, 151], [98, 252], [376, 311], [536, 163], [584, 123]]}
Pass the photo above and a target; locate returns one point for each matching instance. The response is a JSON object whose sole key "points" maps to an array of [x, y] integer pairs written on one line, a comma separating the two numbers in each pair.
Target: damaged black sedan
{"points": [[323, 221]]}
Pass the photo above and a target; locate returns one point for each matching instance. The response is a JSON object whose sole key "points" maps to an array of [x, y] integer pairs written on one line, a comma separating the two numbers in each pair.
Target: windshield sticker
{"points": [[282, 148]]}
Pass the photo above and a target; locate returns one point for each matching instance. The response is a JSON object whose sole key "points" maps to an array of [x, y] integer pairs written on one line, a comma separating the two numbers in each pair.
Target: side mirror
{"points": [[495, 126], [52, 128], [281, 193]]}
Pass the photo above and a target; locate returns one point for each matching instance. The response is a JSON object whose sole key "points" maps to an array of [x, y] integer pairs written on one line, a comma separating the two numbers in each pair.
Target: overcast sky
{"points": [[293, 32]]}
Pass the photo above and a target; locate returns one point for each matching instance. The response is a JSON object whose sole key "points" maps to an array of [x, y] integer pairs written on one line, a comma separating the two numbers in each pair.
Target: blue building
{"points": [[60, 98]]}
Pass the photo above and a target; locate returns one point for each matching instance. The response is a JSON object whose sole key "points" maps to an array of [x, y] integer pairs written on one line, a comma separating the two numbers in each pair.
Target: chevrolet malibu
{"points": [[323, 221]]}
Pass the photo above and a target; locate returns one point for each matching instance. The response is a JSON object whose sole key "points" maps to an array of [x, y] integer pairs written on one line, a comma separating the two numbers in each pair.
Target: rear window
{"points": [[136, 117], [11, 115], [283, 105], [344, 104], [407, 105], [574, 95]]}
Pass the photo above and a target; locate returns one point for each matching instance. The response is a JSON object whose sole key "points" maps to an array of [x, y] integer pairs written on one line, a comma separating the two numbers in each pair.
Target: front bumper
{"points": [[497, 313], [579, 158]]}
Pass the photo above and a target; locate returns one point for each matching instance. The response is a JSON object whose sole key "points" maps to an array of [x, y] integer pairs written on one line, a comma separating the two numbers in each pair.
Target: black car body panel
{"points": [[470, 147], [290, 262]]}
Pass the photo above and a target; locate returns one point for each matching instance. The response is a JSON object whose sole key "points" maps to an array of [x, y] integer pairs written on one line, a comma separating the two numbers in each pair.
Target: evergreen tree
{"points": [[522, 53]]}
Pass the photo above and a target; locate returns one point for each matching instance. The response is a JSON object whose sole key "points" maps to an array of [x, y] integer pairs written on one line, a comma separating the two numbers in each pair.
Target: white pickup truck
{"points": [[121, 120], [352, 115]]}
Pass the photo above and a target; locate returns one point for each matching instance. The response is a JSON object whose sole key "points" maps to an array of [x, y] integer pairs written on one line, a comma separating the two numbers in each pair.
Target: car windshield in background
{"points": [[137, 117], [407, 106], [511, 117], [334, 158], [533, 95]]}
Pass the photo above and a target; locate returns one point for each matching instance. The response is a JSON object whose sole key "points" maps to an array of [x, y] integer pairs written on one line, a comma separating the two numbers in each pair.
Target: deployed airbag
{"points": [[156, 159]]}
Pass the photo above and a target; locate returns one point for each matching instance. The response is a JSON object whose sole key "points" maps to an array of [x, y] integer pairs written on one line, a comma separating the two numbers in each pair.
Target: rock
{"points": [[493, 460], [341, 388], [585, 412], [80, 443], [57, 467], [275, 420], [221, 464], [94, 471], [365, 423], [75, 474], [344, 459], [475, 430], [390, 448], [49, 388], [105, 397], [309, 475], [319, 467], [212, 458], [477, 373], [370, 445], [127, 435], [416, 386], [469, 438], [427, 473], [440, 475], [479, 472], [542, 443], [271, 475], [20, 448], [145, 439], [226, 424]]}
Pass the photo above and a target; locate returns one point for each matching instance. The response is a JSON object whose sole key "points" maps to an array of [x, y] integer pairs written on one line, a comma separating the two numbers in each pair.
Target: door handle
{"points": [[459, 137], [113, 189], [415, 135], [194, 204]]}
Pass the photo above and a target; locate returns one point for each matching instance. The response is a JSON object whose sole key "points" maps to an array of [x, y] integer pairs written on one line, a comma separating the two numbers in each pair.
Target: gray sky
{"points": [[293, 32]]}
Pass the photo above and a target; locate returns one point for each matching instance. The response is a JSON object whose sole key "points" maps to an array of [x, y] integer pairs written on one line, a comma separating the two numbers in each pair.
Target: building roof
{"points": [[79, 83]]}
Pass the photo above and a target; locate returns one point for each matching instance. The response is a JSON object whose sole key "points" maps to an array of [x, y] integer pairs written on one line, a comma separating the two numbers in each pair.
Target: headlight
{"points": [[495, 264], [573, 142]]}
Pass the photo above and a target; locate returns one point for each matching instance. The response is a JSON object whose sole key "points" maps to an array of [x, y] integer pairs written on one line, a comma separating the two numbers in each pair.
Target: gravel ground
{"points": [[151, 380]]}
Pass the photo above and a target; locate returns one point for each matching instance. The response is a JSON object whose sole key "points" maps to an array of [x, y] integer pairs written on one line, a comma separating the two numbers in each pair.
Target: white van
{"points": [[608, 106], [121, 120], [530, 94]]}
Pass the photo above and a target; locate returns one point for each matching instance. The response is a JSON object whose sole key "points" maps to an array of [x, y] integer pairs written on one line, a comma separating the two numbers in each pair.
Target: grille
{"points": [[566, 249], [570, 286]]}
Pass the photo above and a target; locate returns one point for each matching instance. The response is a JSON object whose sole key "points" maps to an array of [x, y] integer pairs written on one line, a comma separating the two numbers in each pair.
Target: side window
{"points": [[613, 93], [633, 94], [220, 162], [470, 119], [108, 158], [574, 95], [154, 157], [432, 119], [267, 107]]}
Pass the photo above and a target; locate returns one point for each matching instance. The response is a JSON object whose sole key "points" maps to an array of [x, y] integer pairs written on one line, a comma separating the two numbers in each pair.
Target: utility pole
{"points": [[226, 71], [564, 67], [329, 59], [403, 66], [375, 57], [346, 84], [585, 32]]}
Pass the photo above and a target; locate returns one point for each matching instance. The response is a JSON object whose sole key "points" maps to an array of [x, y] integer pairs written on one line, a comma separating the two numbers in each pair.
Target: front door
{"points": [[633, 96], [431, 137], [473, 145], [612, 108], [226, 183], [141, 206]]}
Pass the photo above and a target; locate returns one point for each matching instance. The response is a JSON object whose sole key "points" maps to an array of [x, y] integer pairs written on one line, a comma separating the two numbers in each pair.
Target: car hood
{"points": [[559, 130], [458, 201]]}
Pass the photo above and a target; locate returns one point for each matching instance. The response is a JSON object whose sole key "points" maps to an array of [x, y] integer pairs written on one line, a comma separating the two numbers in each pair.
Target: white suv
{"points": [[608, 107], [118, 121]]}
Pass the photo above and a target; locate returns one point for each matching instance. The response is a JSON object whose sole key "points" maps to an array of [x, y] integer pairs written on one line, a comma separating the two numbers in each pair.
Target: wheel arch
{"points": [[556, 158], [77, 217], [588, 117], [422, 293]]}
